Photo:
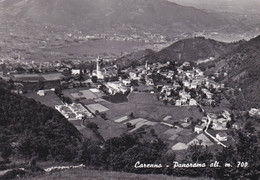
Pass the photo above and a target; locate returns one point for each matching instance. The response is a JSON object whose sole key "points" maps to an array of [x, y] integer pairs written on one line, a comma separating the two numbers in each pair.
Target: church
{"points": [[103, 73]]}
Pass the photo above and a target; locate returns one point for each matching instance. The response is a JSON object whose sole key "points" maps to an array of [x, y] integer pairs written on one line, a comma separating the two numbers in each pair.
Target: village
{"points": [[171, 101]]}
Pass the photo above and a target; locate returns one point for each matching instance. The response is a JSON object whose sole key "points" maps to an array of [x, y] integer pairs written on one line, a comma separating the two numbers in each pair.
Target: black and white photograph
{"points": [[129, 89]]}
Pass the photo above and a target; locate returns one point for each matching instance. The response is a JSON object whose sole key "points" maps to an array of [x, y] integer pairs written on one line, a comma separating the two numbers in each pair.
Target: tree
{"points": [[94, 79], [97, 112], [92, 125], [103, 115], [6, 152], [132, 116], [165, 102], [152, 131], [197, 153], [129, 125], [249, 127], [41, 85]]}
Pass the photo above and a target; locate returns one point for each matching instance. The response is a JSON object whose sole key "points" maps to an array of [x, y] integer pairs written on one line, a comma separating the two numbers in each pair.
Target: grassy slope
{"points": [[82, 174]]}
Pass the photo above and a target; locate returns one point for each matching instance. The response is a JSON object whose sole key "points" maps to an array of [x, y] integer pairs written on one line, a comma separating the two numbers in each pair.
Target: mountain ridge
{"points": [[190, 49], [101, 15]]}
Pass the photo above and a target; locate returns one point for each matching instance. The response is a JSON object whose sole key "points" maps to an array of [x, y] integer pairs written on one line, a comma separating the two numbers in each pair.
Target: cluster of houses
{"points": [[217, 133], [217, 122], [179, 82], [74, 111]]}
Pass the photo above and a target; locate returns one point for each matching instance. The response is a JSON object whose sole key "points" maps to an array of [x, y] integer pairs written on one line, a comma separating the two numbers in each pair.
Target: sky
{"points": [[239, 6]]}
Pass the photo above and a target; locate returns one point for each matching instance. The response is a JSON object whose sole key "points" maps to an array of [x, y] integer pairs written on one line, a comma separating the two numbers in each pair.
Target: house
{"points": [[222, 136], [253, 112], [194, 85], [221, 120], [198, 129], [134, 75], [208, 93], [216, 125], [186, 83], [204, 120], [199, 72], [75, 71], [184, 95], [126, 82], [193, 102], [226, 115], [179, 70], [149, 82], [186, 63], [167, 124], [41, 93], [167, 118], [116, 87], [178, 103], [183, 100], [212, 83]]}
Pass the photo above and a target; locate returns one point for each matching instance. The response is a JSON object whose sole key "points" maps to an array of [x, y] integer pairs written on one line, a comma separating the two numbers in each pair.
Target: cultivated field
{"points": [[79, 93], [108, 129], [147, 106], [50, 99], [52, 76]]}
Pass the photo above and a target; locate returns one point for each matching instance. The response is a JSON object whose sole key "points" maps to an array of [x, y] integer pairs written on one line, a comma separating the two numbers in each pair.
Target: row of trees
{"points": [[121, 154]]}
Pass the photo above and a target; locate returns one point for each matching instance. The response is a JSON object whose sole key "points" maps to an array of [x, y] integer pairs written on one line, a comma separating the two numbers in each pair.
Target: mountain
{"points": [[191, 49], [236, 6], [158, 16], [242, 65]]}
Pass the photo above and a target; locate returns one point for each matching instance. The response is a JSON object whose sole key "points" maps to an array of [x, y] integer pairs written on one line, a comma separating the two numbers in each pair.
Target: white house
{"points": [[41, 93], [193, 102], [126, 82], [222, 136], [254, 112], [178, 103], [198, 129], [75, 71]]}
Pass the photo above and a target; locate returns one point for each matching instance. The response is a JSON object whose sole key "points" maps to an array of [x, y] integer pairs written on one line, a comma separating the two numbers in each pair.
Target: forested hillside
{"points": [[242, 66], [30, 129]]}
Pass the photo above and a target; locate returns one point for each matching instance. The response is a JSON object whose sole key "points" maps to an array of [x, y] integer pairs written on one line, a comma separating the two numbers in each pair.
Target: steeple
{"points": [[146, 65], [99, 73]]}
